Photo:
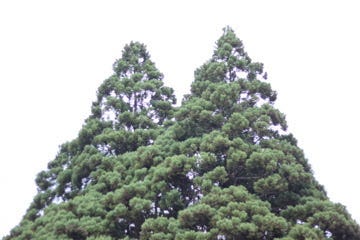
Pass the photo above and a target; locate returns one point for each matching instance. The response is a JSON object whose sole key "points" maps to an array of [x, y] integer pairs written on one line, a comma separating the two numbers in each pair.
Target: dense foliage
{"points": [[220, 166]]}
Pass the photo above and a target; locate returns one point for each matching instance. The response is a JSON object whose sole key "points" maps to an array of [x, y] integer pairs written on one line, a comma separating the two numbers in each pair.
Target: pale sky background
{"points": [[55, 54]]}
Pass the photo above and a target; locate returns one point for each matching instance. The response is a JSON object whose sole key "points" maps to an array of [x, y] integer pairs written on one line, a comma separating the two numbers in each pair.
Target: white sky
{"points": [[54, 55]]}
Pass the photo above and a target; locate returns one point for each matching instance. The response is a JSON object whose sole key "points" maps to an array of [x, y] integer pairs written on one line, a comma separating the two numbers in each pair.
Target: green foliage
{"points": [[220, 166]]}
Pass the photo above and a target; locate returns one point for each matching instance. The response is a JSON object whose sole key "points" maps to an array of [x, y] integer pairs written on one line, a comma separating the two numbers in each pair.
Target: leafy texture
{"points": [[220, 166]]}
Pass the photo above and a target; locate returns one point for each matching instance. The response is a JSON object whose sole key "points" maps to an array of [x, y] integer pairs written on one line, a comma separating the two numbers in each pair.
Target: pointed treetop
{"points": [[136, 87], [136, 59]]}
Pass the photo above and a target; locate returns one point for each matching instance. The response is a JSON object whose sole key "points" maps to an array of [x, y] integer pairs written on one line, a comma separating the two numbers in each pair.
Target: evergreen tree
{"points": [[221, 166], [242, 175], [74, 198]]}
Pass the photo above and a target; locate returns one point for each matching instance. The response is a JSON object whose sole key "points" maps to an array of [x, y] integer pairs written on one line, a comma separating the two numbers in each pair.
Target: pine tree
{"points": [[220, 166], [242, 175], [74, 199]]}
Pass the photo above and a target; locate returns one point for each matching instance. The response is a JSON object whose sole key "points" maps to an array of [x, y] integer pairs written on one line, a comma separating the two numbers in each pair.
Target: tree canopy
{"points": [[222, 165]]}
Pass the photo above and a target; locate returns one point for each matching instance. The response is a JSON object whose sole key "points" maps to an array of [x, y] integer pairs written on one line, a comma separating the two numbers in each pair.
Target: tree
{"points": [[220, 166], [246, 178], [132, 108]]}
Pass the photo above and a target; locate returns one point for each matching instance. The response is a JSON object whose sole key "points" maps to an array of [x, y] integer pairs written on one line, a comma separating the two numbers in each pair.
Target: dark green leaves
{"points": [[220, 166]]}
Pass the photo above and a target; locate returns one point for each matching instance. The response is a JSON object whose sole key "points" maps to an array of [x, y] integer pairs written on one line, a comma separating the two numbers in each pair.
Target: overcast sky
{"points": [[54, 55]]}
